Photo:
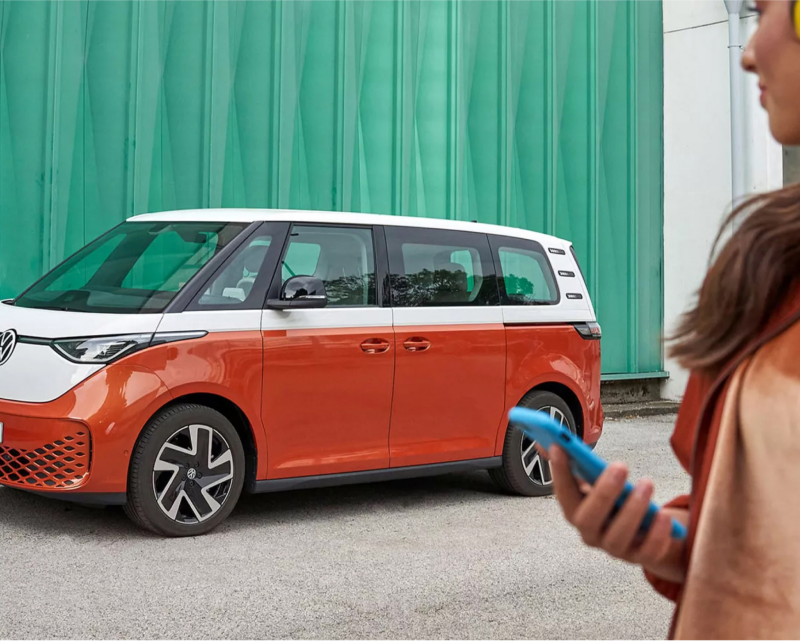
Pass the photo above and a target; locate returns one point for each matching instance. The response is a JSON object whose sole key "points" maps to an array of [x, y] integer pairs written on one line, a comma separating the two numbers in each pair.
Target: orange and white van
{"points": [[185, 357]]}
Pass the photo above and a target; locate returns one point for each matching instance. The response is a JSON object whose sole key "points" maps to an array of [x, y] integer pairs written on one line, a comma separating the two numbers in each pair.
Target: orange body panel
{"points": [[448, 398], [112, 404], [226, 364], [327, 400], [553, 354], [116, 403], [337, 400]]}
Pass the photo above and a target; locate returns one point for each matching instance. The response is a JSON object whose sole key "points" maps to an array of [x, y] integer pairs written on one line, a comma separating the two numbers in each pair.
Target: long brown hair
{"points": [[746, 283]]}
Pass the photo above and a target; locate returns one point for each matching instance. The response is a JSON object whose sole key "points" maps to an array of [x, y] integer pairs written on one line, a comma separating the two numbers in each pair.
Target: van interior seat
{"points": [[252, 260], [453, 285]]}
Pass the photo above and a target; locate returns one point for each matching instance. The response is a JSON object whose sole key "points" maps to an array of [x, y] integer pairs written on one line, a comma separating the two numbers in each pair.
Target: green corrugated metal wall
{"points": [[545, 115]]}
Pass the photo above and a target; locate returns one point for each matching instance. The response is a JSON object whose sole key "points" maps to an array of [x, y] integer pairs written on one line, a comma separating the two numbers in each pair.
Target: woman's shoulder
{"points": [[779, 358], [747, 528], [770, 384]]}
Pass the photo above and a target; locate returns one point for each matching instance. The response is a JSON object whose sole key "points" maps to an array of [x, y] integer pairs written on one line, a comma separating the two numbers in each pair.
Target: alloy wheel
{"points": [[536, 467], [192, 474]]}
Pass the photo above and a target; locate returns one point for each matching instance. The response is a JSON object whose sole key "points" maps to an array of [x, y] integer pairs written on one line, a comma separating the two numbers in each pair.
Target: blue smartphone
{"points": [[586, 465]]}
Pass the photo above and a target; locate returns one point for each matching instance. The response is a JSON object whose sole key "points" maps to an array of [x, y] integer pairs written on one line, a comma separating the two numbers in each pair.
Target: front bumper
{"points": [[78, 447], [50, 458], [94, 499], [44, 454]]}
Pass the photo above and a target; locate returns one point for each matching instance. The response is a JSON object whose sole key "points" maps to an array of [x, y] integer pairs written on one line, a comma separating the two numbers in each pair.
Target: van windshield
{"points": [[137, 267]]}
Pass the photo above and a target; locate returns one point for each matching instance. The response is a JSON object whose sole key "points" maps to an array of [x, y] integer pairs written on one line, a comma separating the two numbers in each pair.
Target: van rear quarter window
{"points": [[526, 276]]}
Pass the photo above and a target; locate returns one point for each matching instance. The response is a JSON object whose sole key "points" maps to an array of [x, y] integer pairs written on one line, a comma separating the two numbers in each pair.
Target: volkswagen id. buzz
{"points": [[186, 357]]}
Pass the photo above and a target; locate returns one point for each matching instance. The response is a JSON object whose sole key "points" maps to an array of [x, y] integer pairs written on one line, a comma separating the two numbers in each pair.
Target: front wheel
{"points": [[525, 472], [186, 472]]}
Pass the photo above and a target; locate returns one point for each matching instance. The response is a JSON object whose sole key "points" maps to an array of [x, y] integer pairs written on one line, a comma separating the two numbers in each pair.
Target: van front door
{"points": [[327, 387]]}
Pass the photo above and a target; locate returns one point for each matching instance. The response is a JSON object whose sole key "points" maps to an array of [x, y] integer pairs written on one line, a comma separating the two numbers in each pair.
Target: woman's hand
{"points": [[589, 509]]}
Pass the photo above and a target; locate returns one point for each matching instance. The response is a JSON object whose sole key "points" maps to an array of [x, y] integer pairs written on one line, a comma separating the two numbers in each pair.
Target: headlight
{"points": [[101, 350]]}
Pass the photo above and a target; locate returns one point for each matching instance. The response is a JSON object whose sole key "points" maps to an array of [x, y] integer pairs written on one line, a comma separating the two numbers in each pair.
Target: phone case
{"points": [[585, 464]]}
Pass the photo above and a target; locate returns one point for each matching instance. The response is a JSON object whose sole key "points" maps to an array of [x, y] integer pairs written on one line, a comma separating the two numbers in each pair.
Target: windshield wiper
{"points": [[56, 309]]}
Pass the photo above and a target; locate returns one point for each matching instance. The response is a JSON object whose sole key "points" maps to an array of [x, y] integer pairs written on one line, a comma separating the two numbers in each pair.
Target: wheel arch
{"points": [[560, 389], [569, 396], [234, 414]]}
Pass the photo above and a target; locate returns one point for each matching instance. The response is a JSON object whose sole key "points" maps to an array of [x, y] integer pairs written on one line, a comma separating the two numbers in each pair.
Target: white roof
{"points": [[292, 215]]}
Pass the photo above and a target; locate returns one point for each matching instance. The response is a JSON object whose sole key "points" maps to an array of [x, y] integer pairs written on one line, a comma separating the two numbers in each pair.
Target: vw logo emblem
{"points": [[8, 341]]}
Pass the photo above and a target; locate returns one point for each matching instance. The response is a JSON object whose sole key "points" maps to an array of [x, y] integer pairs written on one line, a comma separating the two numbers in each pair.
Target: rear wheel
{"points": [[525, 472], [186, 472]]}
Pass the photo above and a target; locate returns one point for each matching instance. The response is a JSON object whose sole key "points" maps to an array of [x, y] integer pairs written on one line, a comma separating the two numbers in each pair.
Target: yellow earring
{"points": [[796, 17]]}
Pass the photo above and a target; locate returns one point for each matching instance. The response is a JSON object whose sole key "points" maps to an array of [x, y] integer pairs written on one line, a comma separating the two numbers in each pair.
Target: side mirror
{"points": [[300, 292]]}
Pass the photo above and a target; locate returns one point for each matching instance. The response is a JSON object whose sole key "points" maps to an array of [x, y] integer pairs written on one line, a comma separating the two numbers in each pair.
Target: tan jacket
{"points": [[743, 579]]}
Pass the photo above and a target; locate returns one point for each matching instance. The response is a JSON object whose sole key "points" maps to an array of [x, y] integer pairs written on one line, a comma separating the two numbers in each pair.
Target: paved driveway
{"points": [[428, 558]]}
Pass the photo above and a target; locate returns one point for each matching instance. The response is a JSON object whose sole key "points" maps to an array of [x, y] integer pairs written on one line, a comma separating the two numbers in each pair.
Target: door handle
{"points": [[375, 346], [416, 344]]}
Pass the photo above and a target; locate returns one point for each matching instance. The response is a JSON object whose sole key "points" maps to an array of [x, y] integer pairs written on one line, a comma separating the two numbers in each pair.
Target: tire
{"points": [[512, 477], [172, 489]]}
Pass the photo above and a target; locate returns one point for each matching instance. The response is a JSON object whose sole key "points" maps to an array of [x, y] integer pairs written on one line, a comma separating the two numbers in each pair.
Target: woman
{"points": [[738, 430]]}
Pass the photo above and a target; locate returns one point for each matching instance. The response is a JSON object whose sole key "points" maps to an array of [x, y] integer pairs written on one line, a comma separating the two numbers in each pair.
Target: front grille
{"points": [[61, 464]]}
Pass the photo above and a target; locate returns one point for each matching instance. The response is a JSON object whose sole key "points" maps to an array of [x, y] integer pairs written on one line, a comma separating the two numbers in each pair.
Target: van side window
{"points": [[234, 284], [434, 268], [301, 260], [343, 258], [526, 277]]}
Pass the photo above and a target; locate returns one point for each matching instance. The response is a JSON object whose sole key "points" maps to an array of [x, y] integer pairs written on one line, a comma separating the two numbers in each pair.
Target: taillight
{"points": [[589, 331]]}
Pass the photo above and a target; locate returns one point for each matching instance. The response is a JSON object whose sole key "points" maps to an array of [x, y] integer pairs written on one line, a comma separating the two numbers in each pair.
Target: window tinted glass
{"points": [[169, 261], [467, 259], [84, 271], [136, 267], [431, 267], [526, 276], [234, 284], [302, 259], [343, 258]]}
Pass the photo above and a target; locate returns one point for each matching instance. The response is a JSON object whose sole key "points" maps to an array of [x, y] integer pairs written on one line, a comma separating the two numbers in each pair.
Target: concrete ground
{"points": [[447, 557]]}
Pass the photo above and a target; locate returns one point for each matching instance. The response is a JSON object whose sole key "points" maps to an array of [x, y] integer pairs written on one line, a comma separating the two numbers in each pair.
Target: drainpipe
{"points": [[735, 49]]}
